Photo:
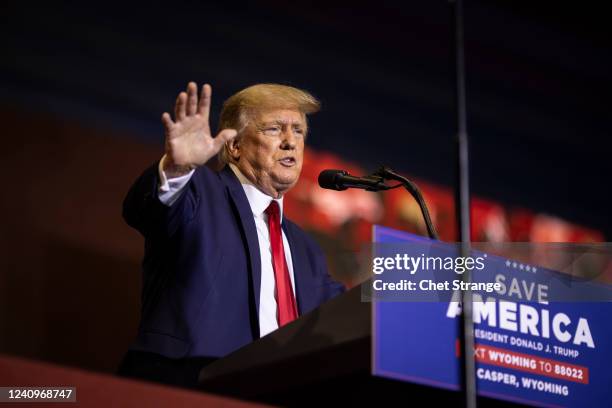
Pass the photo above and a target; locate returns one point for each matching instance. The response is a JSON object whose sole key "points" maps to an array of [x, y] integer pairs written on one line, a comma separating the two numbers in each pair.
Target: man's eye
{"points": [[299, 131], [272, 129]]}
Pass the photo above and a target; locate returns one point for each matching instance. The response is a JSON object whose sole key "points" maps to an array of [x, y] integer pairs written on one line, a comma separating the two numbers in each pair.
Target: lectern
{"points": [[541, 340], [323, 357]]}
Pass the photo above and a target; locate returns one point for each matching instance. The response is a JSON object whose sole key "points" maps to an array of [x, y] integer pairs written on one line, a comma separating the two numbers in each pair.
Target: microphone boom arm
{"points": [[388, 174]]}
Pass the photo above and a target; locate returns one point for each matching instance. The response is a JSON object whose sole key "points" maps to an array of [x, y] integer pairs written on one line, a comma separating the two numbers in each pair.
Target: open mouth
{"points": [[287, 161]]}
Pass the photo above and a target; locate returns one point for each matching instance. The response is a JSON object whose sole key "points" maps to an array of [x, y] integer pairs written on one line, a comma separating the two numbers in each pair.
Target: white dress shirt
{"points": [[171, 189]]}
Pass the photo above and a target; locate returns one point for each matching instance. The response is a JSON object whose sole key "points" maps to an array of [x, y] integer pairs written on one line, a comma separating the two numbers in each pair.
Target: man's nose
{"points": [[289, 140]]}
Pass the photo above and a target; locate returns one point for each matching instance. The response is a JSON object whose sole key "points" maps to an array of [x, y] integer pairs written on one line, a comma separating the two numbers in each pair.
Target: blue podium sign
{"points": [[539, 340]]}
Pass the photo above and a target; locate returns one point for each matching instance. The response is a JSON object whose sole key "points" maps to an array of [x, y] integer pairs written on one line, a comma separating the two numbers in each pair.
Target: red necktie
{"points": [[286, 309]]}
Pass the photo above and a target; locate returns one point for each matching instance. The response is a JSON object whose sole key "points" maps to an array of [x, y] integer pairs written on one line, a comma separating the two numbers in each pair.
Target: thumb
{"points": [[223, 137]]}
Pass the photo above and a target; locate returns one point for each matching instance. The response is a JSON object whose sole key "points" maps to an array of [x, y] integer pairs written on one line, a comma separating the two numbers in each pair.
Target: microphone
{"points": [[341, 180]]}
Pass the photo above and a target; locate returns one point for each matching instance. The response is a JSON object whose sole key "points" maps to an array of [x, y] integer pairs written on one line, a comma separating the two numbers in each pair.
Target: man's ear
{"points": [[233, 148]]}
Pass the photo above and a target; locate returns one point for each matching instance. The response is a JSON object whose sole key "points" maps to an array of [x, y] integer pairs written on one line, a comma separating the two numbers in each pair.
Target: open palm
{"points": [[189, 142]]}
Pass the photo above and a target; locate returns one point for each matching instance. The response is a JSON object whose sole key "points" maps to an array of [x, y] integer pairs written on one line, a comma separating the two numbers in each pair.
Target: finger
{"points": [[192, 100], [167, 121], [223, 137], [204, 105], [179, 109]]}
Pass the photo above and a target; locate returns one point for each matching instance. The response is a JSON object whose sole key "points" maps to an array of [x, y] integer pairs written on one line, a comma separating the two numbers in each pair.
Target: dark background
{"points": [[82, 87]]}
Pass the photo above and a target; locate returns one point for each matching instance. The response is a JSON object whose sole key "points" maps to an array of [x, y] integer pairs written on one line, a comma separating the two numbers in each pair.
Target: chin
{"points": [[285, 180], [287, 175]]}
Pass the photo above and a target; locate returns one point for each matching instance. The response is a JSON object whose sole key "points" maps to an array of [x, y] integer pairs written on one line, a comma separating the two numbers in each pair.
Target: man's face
{"points": [[271, 150]]}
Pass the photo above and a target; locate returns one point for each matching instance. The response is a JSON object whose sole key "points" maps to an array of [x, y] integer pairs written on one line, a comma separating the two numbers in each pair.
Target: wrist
{"points": [[172, 169]]}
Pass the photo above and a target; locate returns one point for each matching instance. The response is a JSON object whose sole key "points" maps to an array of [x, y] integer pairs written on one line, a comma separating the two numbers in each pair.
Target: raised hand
{"points": [[189, 143]]}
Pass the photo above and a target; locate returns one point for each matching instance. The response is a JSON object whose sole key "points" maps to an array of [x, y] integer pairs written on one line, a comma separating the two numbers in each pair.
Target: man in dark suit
{"points": [[222, 265]]}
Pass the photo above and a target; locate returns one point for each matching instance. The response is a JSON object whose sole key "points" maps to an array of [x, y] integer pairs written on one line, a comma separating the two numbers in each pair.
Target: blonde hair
{"points": [[241, 107]]}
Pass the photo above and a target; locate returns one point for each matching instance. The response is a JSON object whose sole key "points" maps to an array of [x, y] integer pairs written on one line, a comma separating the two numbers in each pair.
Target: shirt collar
{"points": [[258, 200]]}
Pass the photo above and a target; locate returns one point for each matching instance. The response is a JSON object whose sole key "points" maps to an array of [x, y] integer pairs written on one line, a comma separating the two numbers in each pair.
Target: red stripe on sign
{"points": [[532, 364]]}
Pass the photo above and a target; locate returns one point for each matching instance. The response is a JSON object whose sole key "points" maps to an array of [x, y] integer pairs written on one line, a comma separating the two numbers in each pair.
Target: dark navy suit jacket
{"points": [[202, 272]]}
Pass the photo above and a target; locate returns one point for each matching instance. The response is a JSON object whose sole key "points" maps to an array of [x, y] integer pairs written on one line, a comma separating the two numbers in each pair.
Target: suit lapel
{"points": [[303, 286], [248, 226]]}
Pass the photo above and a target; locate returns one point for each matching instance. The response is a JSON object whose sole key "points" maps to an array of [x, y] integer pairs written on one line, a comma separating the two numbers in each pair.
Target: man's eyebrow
{"points": [[281, 122], [272, 122]]}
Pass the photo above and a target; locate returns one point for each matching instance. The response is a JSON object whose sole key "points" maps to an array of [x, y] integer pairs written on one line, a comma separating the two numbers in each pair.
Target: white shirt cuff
{"points": [[170, 189]]}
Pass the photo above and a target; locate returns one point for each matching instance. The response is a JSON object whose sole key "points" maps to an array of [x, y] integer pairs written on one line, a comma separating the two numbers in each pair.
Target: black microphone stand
{"points": [[385, 173], [462, 208], [340, 180]]}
